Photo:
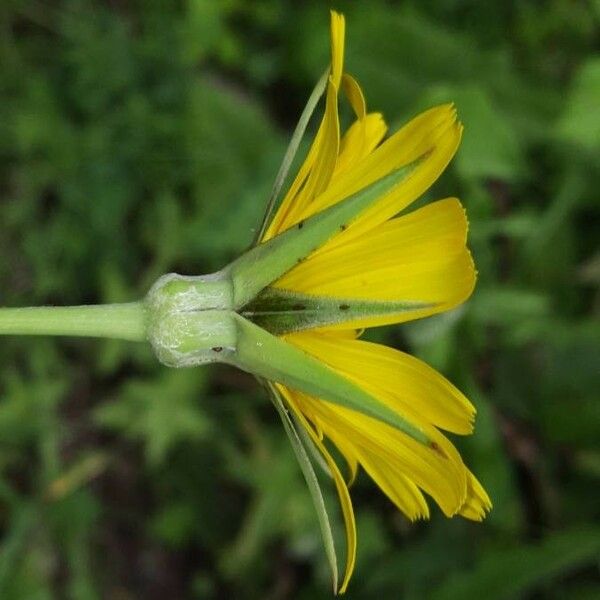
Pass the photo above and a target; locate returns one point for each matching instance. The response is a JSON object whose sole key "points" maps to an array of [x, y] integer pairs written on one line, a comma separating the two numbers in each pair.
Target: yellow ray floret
{"points": [[314, 175], [337, 34], [418, 258], [404, 383], [437, 469], [362, 137], [404, 466]]}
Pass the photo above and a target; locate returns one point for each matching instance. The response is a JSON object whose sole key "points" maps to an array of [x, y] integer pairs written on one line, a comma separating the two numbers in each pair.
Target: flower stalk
{"points": [[119, 321]]}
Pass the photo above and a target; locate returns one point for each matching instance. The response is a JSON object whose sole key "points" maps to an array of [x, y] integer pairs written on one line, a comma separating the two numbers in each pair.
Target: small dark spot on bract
{"points": [[301, 225], [217, 349], [344, 307], [298, 307], [343, 227]]}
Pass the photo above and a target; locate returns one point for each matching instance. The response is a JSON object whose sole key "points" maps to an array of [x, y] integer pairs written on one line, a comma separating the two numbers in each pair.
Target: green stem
{"points": [[119, 321]]}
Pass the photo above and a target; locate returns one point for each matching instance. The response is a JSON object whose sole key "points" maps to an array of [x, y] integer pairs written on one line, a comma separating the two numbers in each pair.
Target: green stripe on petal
{"points": [[283, 311]]}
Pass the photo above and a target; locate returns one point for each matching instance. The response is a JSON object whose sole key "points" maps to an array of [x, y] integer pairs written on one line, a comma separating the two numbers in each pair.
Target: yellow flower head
{"points": [[341, 254], [419, 258]]}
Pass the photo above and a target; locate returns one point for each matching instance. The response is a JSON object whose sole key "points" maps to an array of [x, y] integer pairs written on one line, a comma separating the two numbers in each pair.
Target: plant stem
{"points": [[119, 321]]}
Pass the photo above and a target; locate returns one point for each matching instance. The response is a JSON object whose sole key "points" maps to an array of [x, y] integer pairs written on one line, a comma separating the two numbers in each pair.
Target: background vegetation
{"points": [[142, 137]]}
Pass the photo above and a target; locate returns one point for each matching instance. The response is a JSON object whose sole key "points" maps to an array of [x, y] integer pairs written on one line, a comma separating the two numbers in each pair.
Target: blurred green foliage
{"points": [[141, 137]]}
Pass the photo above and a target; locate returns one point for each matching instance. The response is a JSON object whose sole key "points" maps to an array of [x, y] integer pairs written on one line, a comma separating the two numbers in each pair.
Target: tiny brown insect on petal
{"points": [[436, 448]]}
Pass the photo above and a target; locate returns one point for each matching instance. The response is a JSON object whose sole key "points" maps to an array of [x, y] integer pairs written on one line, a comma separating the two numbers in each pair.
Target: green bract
{"points": [[283, 311]]}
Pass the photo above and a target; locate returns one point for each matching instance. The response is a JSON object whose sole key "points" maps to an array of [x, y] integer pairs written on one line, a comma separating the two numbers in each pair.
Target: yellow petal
{"points": [[327, 152], [278, 223], [354, 95], [404, 383], [345, 502], [477, 502], [420, 258], [350, 457], [349, 334], [317, 169], [438, 469], [338, 32], [397, 487], [315, 173], [433, 134], [363, 136]]}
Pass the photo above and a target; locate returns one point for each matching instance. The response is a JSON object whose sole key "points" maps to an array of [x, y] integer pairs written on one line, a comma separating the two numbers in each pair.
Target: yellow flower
{"points": [[419, 257]]}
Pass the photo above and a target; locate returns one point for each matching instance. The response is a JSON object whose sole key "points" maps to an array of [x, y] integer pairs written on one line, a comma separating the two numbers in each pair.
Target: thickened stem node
{"points": [[190, 320]]}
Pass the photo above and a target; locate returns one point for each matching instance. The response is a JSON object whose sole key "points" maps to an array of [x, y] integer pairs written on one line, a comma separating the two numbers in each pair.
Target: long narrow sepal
{"points": [[283, 311], [263, 354], [298, 445], [263, 264], [310, 447], [291, 151]]}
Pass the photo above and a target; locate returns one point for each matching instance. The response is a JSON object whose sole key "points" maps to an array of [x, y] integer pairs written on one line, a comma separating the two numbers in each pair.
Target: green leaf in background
{"points": [[159, 412], [490, 147], [509, 574], [579, 123], [230, 181]]}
